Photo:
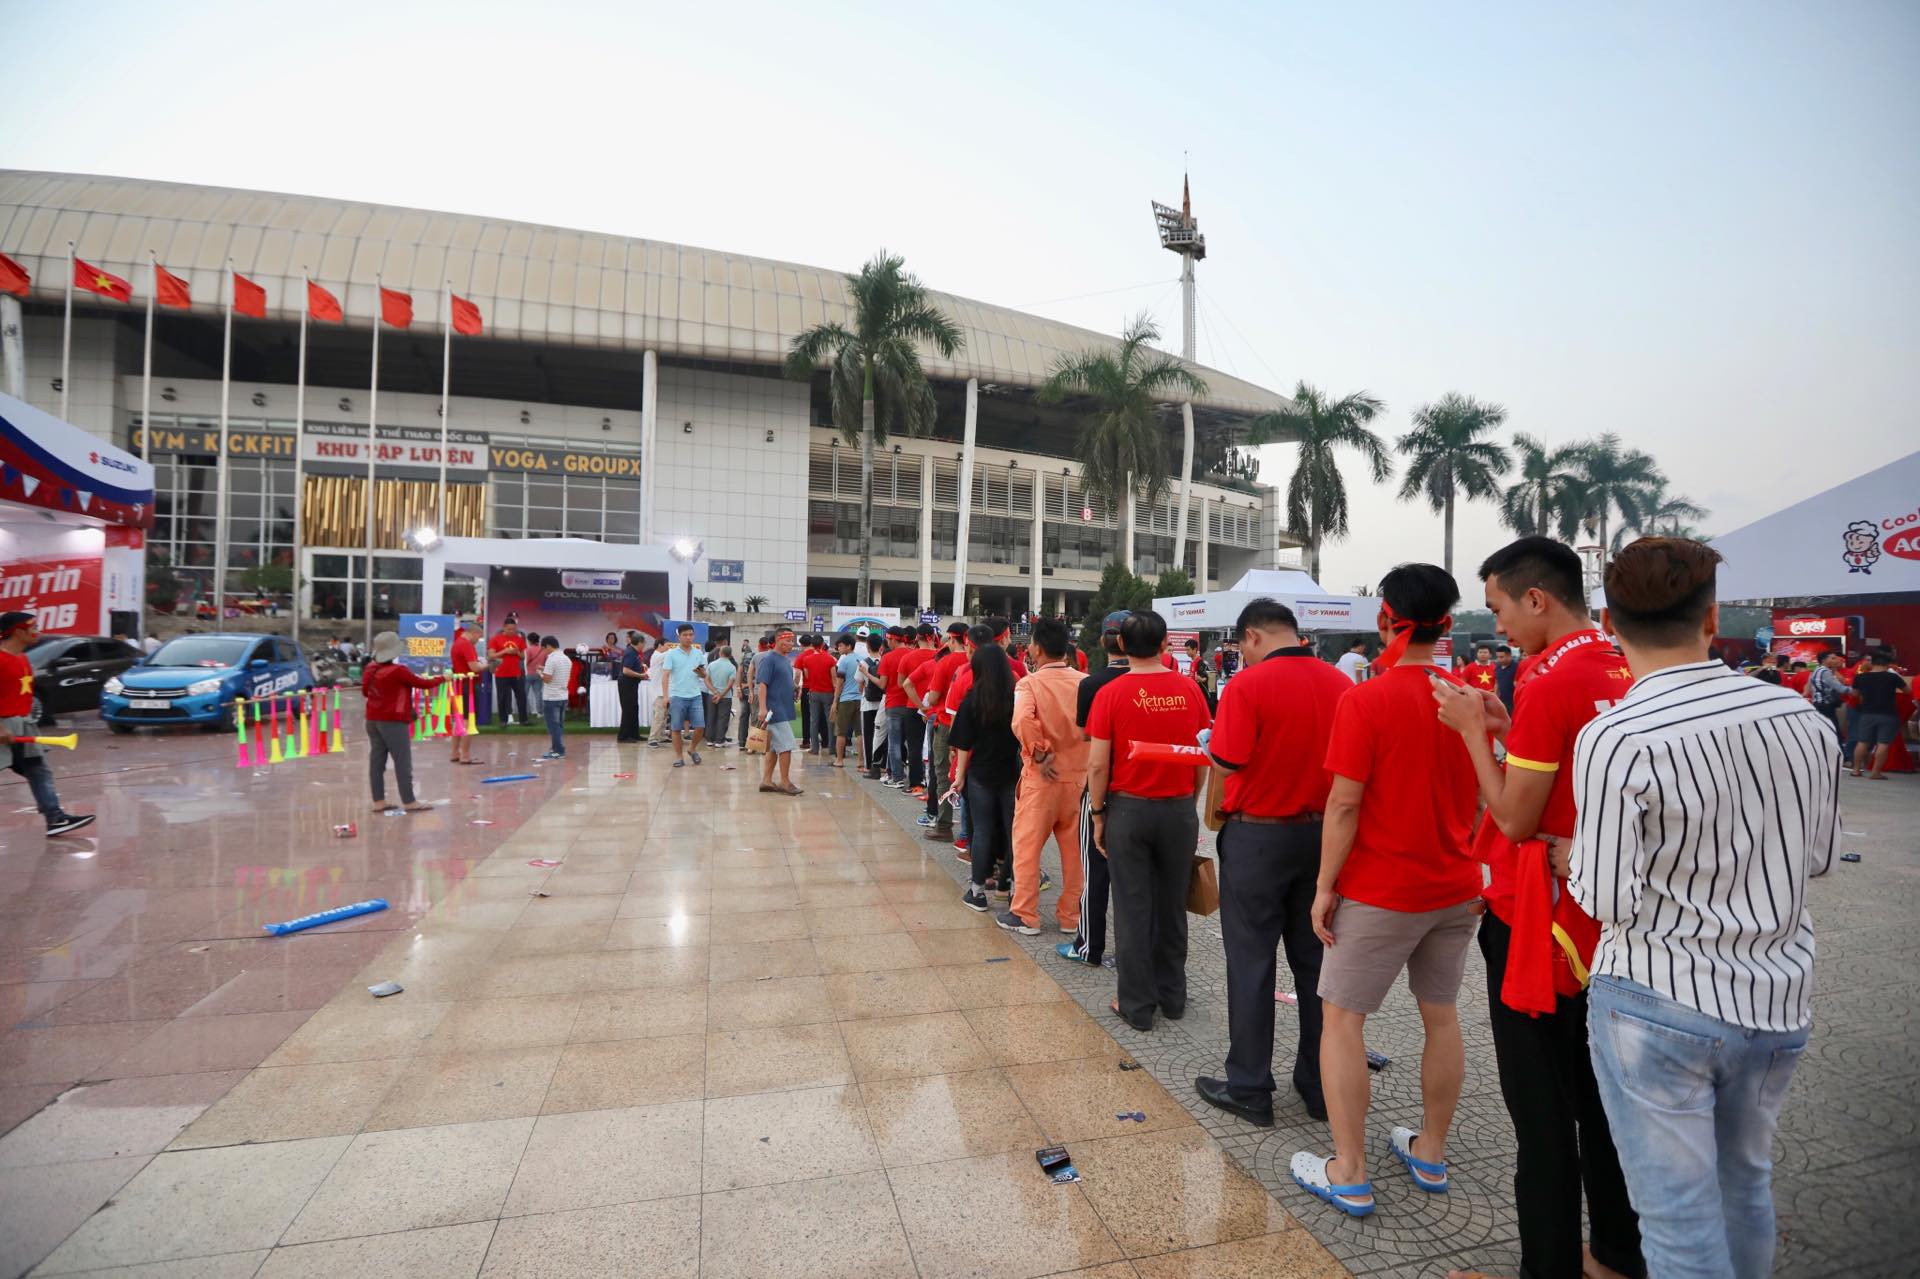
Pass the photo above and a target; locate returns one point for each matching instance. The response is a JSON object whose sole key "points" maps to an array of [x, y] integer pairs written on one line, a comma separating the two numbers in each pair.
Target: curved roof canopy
{"points": [[532, 283]]}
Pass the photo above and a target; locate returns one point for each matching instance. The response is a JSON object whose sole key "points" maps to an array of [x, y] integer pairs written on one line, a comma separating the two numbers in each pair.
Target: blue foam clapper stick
{"points": [[327, 917], [509, 777]]}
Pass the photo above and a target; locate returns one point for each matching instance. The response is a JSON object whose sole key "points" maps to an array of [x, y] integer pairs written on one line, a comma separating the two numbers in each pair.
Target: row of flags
{"points": [[249, 298]]}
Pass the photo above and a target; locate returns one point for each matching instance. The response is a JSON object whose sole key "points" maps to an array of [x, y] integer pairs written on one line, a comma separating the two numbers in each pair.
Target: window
{"points": [[833, 528], [573, 505]]}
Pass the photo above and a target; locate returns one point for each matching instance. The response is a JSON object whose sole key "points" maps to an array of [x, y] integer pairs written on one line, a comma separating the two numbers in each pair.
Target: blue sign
{"points": [[426, 641], [930, 618], [726, 570], [796, 615], [670, 631]]}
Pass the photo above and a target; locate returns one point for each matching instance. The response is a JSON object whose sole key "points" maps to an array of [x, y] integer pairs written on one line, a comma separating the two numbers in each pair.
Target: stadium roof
{"points": [[532, 283]]}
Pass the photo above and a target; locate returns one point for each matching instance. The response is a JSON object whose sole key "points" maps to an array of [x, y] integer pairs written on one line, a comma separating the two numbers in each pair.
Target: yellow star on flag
{"points": [[102, 282]]}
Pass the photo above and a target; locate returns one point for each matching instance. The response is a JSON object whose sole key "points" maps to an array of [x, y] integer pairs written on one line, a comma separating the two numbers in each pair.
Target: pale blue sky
{"points": [[1693, 224]]}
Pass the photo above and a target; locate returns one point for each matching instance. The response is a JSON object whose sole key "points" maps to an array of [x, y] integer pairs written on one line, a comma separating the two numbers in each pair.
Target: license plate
{"points": [[149, 703]]}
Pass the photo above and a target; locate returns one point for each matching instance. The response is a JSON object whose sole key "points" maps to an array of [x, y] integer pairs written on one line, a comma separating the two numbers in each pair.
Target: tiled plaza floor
{"points": [[740, 1035]]}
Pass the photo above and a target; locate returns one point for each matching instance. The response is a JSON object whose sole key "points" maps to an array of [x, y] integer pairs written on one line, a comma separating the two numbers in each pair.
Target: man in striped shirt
{"points": [[1706, 801]]}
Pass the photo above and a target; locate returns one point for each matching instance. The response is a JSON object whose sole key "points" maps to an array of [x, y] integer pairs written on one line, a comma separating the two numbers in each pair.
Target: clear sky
{"points": [[1692, 224]]}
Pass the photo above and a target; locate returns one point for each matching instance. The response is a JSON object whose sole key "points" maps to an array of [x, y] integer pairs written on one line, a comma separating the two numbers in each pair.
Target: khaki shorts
{"points": [[1371, 946], [846, 718]]}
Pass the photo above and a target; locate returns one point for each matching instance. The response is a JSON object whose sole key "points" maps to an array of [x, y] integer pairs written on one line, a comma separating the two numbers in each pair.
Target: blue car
{"points": [[194, 680]]}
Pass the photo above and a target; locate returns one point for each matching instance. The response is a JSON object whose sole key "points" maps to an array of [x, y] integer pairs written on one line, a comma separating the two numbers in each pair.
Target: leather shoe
{"points": [[1315, 1102], [1216, 1093]]}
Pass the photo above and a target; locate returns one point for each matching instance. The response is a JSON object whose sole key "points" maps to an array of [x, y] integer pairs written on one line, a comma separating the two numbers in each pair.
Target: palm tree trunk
{"points": [[1313, 549], [1603, 540], [1542, 529], [1448, 549], [864, 599]]}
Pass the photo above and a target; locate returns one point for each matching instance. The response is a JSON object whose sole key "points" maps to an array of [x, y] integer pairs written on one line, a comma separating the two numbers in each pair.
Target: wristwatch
{"points": [[1097, 812]]}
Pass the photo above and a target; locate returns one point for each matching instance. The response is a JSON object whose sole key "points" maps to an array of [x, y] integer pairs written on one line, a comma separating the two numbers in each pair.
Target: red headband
{"points": [[1403, 629]]}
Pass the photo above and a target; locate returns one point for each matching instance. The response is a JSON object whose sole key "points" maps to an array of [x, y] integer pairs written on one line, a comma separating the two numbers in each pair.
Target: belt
{"points": [[1291, 819]]}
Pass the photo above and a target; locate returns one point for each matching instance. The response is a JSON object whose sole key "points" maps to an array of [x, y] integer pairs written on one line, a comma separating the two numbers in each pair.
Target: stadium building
{"points": [[624, 390]]}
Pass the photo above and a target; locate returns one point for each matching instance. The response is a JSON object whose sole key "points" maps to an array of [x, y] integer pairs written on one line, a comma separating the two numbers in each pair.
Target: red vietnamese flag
{"points": [[169, 289], [466, 316], [13, 276], [322, 305], [105, 283], [396, 308], [248, 297]]}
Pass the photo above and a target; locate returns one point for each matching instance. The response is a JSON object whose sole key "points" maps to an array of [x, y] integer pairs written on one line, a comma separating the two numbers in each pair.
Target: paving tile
{"points": [[730, 879], [1039, 1228], [983, 985], [871, 953], [840, 1226], [775, 1001], [588, 935], [924, 1044], [227, 1265], [601, 1157], [40, 1206], [627, 1072], [528, 976], [571, 882], [361, 1031], [745, 961], [497, 1024], [66, 1054], [655, 1239], [942, 916], [741, 901], [760, 926], [21, 1102], [897, 993], [1289, 1254], [283, 1103], [281, 988], [1077, 1100], [945, 946], [658, 932], [775, 1059], [650, 900], [848, 897], [440, 1252], [852, 920], [412, 1179], [119, 1117], [640, 1014], [649, 969], [202, 1202], [1177, 1189], [938, 1117], [550, 912], [467, 1086], [762, 1138], [187, 1045], [1039, 1032]]}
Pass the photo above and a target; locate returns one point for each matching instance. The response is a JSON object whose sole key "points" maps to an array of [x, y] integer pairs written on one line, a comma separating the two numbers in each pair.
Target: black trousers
{"points": [[1091, 940], [914, 738], [869, 713], [1560, 1131], [511, 691], [1267, 876], [990, 821], [1150, 845], [629, 690]]}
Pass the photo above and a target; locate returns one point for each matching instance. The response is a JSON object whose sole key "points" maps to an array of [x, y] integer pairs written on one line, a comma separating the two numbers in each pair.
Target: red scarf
{"points": [[1402, 628]]}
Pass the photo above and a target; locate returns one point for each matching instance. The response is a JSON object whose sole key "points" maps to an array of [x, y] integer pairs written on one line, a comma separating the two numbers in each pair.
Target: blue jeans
{"points": [[1692, 1102], [556, 713], [686, 712], [897, 741]]}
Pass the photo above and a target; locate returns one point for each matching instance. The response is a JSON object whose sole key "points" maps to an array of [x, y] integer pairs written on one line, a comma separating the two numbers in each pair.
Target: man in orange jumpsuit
{"points": [[1048, 801]]}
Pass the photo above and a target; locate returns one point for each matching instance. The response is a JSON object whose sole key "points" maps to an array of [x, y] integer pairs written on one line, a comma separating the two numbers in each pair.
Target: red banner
{"points": [[64, 592]]}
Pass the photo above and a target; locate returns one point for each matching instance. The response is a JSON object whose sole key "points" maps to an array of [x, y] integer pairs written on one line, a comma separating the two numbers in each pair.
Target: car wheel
{"points": [[119, 730]]}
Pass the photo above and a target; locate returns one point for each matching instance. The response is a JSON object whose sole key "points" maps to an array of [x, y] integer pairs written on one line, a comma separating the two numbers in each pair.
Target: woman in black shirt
{"points": [[986, 768]]}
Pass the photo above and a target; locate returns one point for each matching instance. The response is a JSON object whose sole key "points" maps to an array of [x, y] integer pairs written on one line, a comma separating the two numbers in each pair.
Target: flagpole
{"points": [[299, 448], [373, 441], [146, 362], [220, 465], [66, 339], [446, 384]]}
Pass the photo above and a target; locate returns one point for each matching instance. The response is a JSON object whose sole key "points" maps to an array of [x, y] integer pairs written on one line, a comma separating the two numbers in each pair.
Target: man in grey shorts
{"points": [[774, 707], [1398, 889]]}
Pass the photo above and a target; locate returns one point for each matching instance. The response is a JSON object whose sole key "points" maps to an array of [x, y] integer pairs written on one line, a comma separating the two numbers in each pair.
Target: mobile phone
{"points": [[381, 990]]}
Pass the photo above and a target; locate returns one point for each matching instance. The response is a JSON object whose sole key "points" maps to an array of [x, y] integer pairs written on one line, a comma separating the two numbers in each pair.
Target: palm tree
{"points": [[1663, 514], [1122, 447], [1317, 493], [1447, 458], [875, 381], [1544, 501], [1614, 478]]}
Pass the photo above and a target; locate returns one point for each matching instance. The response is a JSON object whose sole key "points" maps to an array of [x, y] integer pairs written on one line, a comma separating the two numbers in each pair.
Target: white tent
{"points": [[1315, 609], [1861, 538]]}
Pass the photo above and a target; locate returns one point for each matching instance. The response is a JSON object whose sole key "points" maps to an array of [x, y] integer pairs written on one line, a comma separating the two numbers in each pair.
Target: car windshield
{"points": [[201, 650]]}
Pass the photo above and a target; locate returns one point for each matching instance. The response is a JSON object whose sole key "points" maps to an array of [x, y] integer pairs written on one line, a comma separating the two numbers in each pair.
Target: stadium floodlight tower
{"points": [[1179, 233]]}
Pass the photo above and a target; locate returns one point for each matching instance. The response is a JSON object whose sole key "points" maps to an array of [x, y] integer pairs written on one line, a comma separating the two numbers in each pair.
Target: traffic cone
{"points": [[273, 729], [243, 757], [338, 745]]}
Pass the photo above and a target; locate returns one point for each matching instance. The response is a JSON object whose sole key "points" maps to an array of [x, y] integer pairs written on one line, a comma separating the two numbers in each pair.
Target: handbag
{"points": [[757, 740], [1203, 890], [1216, 796]]}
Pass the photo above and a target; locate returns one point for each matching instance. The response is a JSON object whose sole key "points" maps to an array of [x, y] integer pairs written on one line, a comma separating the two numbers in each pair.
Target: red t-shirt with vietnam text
{"points": [[1273, 728], [1568, 684], [1410, 847], [16, 685], [1162, 707]]}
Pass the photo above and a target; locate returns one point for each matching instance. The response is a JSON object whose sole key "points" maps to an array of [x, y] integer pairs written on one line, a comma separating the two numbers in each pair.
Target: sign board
{"points": [[1805, 626], [796, 615], [539, 461], [1443, 652], [345, 444], [591, 580], [726, 570], [930, 618], [428, 641], [50, 463], [847, 617], [63, 593], [1187, 610], [670, 631], [819, 625], [1325, 615], [206, 440]]}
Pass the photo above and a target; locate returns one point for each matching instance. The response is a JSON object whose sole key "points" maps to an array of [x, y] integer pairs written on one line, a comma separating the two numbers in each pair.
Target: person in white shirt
{"points": [[1706, 800], [150, 645], [556, 679], [1353, 662]]}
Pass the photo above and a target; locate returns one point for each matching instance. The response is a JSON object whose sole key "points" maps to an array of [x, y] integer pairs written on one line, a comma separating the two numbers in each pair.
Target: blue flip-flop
{"points": [[1310, 1174], [1430, 1177]]}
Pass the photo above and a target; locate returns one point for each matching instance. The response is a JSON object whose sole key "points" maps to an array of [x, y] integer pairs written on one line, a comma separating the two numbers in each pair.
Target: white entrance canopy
{"points": [[1315, 609], [1861, 538], [478, 556]]}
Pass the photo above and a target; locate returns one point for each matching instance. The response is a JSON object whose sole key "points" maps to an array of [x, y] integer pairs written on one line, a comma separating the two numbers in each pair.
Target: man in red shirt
{"points": [[1270, 741], [1145, 821], [1478, 674], [509, 679], [464, 659], [1398, 888], [947, 663], [894, 702], [18, 631], [1546, 1073], [917, 654], [815, 666]]}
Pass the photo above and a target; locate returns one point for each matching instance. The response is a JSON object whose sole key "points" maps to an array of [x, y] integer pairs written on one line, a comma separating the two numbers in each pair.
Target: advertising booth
{"points": [[73, 518], [1317, 611]]}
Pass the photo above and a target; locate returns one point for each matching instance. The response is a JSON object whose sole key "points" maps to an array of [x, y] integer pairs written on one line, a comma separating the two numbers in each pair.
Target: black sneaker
{"points": [[1014, 924], [67, 823], [974, 899]]}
